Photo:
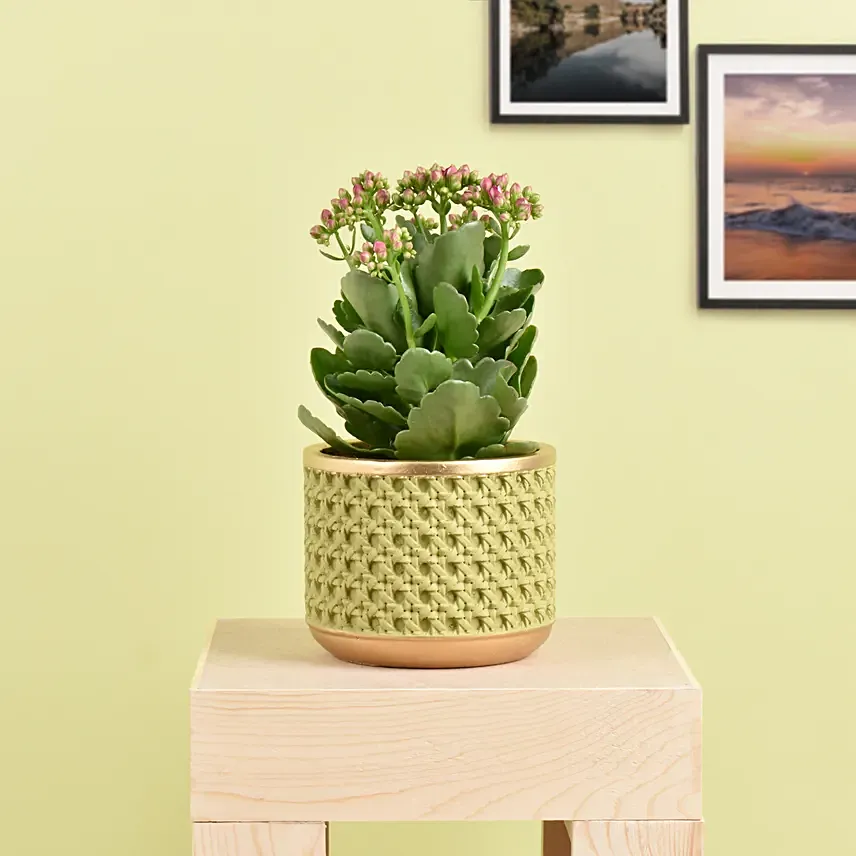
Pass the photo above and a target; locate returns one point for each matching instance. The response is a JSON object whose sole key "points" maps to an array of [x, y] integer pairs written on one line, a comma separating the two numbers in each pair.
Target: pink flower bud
{"points": [[380, 249], [326, 214], [450, 170], [382, 197], [515, 189], [408, 196], [486, 184], [365, 257], [504, 217], [316, 232], [436, 175], [343, 192], [524, 208], [502, 181], [343, 203], [497, 197]]}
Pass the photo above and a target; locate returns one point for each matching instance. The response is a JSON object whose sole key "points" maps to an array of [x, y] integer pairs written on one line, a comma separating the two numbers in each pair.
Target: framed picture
{"points": [[609, 61], [777, 176]]}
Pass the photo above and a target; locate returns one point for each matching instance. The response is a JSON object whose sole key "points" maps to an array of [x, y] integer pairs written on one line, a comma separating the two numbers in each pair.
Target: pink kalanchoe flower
{"points": [[497, 197], [365, 257], [380, 249], [486, 184], [382, 197], [436, 175]]}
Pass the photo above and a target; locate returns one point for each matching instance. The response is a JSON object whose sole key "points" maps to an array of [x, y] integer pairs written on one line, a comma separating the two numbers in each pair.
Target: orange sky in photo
{"points": [[790, 124]]}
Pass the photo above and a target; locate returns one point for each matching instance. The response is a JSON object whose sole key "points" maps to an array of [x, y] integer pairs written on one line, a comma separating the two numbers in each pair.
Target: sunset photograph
{"points": [[790, 177]]}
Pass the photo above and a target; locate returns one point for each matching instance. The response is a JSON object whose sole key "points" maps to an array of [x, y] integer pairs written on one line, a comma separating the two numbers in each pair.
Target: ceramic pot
{"points": [[429, 564]]}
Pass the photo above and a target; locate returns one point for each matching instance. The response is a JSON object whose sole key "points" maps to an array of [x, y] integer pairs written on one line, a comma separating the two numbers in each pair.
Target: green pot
{"points": [[430, 564]]}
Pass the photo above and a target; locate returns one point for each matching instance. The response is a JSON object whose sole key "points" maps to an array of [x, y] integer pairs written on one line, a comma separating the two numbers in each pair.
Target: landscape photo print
{"points": [[581, 61], [778, 176]]}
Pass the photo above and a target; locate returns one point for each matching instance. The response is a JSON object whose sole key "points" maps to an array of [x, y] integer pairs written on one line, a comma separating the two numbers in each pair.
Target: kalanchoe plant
{"points": [[433, 336]]}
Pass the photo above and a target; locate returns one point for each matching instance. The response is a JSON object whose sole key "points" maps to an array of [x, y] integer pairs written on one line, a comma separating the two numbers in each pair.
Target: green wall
{"points": [[160, 165]]}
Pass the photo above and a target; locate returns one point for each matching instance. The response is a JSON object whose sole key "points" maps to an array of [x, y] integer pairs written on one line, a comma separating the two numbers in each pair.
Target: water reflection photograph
{"points": [[597, 62], [778, 199]]}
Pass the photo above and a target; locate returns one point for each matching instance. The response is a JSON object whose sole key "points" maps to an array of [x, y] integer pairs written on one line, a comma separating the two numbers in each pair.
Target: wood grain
{"points": [[636, 838], [259, 839], [602, 723]]}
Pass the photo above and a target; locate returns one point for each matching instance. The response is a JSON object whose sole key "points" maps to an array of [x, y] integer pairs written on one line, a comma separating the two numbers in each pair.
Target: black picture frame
{"points": [[681, 117], [706, 300]]}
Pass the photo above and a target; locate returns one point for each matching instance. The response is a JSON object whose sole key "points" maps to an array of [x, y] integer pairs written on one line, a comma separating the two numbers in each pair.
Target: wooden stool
{"points": [[598, 735]]}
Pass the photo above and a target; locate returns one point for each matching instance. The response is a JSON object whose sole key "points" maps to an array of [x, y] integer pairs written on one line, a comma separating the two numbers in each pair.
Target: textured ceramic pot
{"points": [[430, 564]]}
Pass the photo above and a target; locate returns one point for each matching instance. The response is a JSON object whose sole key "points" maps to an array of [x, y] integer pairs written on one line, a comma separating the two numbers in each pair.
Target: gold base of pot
{"points": [[421, 652]]}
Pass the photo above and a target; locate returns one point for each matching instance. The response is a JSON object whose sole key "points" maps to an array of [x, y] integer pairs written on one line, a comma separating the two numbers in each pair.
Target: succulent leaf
{"points": [[510, 403], [346, 316], [476, 291], [518, 252], [458, 327], [373, 432], [337, 337], [450, 258], [484, 373], [528, 375], [523, 347], [367, 381], [496, 329], [516, 449], [419, 372], [380, 411], [452, 422], [368, 350], [492, 249], [333, 440], [426, 326], [324, 363], [375, 300]]}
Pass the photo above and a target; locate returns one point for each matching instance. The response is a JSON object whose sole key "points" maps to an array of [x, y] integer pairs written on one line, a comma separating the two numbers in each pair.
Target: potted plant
{"points": [[429, 538]]}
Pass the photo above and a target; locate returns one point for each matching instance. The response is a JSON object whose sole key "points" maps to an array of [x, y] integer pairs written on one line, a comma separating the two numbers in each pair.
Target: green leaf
{"points": [[533, 277], [495, 329], [427, 326], [476, 291], [367, 231], [331, 438], [518, 252], [527, 376], [374, 408], [521, 350], [375, 301], [367, 381], [451, 259], [484, 373], [336, 336], [346, 316], [331, 256], [419, 372], [324, 363], [516, 449], [495, 227], [511, 404], [367, 350], [492, 249], [458, 327], [452, 422], [373, 432]]}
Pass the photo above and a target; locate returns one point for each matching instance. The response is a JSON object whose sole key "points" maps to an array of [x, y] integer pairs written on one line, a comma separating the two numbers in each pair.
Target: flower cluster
{"points": [[370, 197], [490, 199], [375, 257], [509, 204]]}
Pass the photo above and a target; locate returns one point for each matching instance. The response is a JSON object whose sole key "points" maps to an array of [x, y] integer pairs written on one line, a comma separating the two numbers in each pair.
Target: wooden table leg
{"points": [[636, 838], [556, 840], [260, 839]]}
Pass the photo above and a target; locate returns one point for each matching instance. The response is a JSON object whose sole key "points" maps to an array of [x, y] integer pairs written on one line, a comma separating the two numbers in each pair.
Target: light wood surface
{"points": [[603, 722], [259, 839], [581, 653], [636, 838]]}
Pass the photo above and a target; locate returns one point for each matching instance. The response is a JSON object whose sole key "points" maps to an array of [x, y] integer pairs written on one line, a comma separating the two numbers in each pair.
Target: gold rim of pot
{"points": [[319, 457]]}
